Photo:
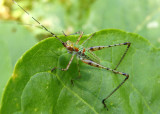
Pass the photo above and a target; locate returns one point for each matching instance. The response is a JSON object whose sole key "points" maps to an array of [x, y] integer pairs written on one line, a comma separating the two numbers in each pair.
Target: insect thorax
{"points": [[81, 52]]}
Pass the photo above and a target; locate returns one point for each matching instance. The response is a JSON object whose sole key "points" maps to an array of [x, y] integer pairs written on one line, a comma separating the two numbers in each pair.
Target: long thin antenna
{"points": [[38, 26], [39, 23]]}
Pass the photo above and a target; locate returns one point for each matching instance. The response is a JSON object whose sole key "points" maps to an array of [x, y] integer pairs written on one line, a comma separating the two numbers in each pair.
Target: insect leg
{"points": [[128, 45], [102, 47], [67, 67], [80, 36], [88, 39], [71, 34], [89, 62]]}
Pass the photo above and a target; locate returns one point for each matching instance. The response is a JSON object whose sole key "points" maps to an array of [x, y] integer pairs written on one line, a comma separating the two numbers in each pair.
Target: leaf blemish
{"points": [[14, 76]]}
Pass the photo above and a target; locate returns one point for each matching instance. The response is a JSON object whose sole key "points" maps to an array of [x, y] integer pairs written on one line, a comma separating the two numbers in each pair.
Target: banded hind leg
{"points": [[92, 63], [95, 48]]}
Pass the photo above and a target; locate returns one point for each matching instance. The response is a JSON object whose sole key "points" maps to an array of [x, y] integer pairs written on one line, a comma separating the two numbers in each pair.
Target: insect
{"points": [[86, 55]]}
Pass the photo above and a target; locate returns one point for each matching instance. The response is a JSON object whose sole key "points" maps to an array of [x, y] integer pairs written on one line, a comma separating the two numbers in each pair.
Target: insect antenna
{"points": [[38, 26], [40, 23]]}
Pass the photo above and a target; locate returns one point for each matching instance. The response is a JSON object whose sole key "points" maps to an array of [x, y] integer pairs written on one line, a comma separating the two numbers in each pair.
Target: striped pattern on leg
{"points": [[95, 48]]}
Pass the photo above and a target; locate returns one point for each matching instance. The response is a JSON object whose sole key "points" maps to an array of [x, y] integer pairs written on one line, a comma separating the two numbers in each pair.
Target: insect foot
{"points": [[53, 69], [103, 102], [72, 82]]}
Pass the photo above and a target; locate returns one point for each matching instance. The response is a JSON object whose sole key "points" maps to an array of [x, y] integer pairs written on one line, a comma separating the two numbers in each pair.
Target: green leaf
{"points": [[33, 88], [47, 83]]}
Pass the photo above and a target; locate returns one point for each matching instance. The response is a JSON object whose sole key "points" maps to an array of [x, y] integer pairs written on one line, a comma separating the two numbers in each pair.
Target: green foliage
{"points": [[34, 89]]}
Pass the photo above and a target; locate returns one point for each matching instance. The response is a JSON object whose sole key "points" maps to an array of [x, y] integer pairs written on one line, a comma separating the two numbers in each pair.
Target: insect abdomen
{"points": [[91, 56]]}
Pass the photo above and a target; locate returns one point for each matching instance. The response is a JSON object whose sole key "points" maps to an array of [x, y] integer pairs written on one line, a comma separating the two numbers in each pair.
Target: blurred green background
{"points": [[18, 32]]}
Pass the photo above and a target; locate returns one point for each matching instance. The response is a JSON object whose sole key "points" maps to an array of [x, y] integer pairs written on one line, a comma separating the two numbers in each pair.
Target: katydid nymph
{"points": [[86, 55]]}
